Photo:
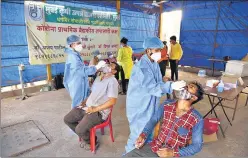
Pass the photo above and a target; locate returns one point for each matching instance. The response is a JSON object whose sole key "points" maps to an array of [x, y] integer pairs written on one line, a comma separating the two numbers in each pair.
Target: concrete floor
{"points": [[48, 109]]}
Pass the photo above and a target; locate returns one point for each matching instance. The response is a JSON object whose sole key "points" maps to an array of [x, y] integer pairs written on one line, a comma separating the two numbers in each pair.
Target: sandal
{"points": [[87, 146], [122, 93]]}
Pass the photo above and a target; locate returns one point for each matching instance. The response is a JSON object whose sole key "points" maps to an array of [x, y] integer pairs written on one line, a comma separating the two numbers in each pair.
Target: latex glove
{"points": [[140, 142], [179, 85], [100, 64]]}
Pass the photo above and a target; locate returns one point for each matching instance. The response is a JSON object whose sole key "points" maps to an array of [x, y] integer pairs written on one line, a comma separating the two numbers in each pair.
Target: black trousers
{"points": [[124, 82], [174, 69], [162, 66]]}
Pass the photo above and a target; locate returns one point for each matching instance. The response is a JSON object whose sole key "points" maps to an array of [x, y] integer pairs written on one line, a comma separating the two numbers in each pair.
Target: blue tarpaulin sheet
{"points": [[213, 29]]}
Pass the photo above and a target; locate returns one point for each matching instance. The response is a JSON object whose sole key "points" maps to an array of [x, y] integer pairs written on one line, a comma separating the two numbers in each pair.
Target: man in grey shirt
{"points": [[96, 108]]}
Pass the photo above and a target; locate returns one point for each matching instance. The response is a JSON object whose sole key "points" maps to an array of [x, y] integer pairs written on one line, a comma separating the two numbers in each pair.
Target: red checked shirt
{"points": [[176, 132]]}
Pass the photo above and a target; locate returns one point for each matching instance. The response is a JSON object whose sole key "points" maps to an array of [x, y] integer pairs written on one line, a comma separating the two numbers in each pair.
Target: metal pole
{"points": [[48, 66], [160, 22], [183, 7], [21, 82], [49, 74], [21, 68], [216, 29], [118, 10]]}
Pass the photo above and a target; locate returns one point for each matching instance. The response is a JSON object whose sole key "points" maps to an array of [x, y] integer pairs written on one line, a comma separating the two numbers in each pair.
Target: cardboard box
{"points": [[210, 138], [237, 67], [231, 80]]}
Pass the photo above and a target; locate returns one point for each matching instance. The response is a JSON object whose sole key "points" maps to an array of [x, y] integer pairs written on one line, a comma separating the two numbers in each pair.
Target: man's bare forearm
{"points": [[106, 105]]}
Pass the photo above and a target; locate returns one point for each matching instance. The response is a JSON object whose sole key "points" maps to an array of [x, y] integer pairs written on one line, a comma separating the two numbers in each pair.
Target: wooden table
{"points": [[216, 60], [228, 95]]}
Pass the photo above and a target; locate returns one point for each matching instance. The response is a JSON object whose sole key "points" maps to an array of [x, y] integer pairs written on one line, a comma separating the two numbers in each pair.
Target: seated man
{"points": [[181, 123], [96, 108]]}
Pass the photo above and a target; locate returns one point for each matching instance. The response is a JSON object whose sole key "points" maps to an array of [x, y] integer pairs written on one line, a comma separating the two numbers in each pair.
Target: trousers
{"points": [[81, 122], [145, 151], [174, 69]]}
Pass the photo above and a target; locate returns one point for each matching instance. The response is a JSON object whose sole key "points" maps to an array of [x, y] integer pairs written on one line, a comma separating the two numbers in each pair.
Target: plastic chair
{"points": [[101, 126]]}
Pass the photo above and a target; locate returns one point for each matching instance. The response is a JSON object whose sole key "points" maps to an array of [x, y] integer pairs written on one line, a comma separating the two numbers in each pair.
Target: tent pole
{"points": [[48, 67], [157, 126], [216, 29], [118, 6], [160, 21], [118, 10]]}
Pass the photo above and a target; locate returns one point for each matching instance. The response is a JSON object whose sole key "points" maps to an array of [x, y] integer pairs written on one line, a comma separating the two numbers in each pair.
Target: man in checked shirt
{"points": [[181, 123]]}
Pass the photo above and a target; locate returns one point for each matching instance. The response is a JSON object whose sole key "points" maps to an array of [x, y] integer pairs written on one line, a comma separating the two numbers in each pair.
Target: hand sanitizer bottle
{"points": [[220, 87]]}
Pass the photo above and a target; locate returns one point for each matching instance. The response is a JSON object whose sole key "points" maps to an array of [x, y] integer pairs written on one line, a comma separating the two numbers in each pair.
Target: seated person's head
{"points": [[192, 93], [112, 68], [115, 68]]}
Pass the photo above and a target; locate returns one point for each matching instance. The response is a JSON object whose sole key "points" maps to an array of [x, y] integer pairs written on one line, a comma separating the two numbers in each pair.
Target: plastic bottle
{"points": [[220, 87], [202, 73]]}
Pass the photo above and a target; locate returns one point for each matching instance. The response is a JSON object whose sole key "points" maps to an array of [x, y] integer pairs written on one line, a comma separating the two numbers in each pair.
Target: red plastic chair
{"points": [[101, 126]]}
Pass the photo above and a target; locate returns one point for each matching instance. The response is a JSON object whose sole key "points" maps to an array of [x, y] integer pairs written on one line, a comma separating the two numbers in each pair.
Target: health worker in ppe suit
{"points": [[76, 73], [146, 86]]}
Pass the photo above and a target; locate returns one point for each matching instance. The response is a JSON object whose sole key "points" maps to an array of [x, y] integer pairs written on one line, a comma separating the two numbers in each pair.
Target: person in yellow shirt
{"points": [[175, 56], [124, 58]]}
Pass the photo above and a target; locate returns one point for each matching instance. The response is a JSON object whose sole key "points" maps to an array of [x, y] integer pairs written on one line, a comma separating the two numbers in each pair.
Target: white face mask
{"points": [[78, 48], [99, 56], [184, 95], [156, 56], [111, 56], [106, 69]]}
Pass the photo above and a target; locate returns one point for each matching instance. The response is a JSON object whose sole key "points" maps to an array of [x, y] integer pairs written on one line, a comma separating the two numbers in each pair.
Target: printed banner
{"points": [[48, 26]]}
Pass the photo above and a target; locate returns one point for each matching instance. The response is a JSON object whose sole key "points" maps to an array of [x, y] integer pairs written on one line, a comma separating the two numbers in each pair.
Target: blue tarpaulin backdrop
{"points": [[208, 29], [216, 29]]}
